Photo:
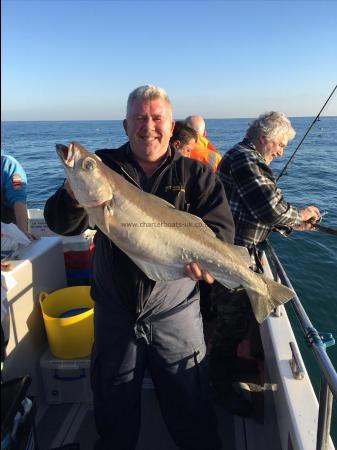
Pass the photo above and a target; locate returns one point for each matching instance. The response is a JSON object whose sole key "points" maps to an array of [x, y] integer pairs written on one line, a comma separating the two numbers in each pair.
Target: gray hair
{"points": [[147, 93], [271, 125]]}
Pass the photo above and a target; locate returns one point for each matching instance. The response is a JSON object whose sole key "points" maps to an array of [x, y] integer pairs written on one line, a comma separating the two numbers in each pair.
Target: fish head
{"points": [[86, 174]]}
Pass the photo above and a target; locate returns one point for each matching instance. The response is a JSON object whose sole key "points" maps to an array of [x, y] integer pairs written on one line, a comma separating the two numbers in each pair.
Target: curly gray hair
{"points": [[271, 124], [147, 92]]}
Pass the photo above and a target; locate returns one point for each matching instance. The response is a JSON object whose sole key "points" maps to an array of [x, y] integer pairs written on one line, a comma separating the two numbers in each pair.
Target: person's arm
{"points": [[63, 214], [21, 216], [257, 188], [263, 199]]}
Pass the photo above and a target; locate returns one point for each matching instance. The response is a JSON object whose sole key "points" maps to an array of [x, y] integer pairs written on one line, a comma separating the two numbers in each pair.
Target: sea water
{"points": [[309, 258]]}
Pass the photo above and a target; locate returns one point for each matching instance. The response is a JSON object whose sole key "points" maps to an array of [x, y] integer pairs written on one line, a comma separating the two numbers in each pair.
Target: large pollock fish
{"points": [[158, 238]]}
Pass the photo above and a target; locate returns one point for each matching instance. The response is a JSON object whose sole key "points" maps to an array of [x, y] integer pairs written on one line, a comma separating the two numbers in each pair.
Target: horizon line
{"points": [[118, 120]]}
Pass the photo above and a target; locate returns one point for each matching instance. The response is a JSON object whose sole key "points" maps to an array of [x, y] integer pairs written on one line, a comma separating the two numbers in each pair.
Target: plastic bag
{"points": [[12, 237]]}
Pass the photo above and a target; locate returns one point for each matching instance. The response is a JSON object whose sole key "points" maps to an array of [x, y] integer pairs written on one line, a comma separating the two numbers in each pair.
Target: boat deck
{"points": [[66, 423], [41, 269]]}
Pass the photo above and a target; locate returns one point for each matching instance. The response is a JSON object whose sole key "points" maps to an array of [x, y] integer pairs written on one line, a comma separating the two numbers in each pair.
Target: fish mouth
{"points": [[66, 154]]}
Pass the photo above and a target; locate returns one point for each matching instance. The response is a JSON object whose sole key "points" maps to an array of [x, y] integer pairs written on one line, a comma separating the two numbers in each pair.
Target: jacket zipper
{"points": [[130, 178], [160, 177], [139, 307], [154, 187]]}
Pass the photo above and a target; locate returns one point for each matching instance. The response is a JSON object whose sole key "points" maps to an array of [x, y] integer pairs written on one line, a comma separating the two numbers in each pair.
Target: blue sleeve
{"points": [[14, 180]]}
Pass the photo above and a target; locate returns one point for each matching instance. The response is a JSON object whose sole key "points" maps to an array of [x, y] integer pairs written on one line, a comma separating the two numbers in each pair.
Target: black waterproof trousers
{"points": [[171, 346]]}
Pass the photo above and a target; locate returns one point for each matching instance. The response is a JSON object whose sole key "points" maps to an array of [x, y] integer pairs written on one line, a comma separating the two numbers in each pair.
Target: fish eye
{"points": [[89, 164]]}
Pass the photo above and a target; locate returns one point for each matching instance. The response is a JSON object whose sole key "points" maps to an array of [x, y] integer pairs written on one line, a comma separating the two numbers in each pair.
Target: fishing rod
{"points": [[283, 171], [323, 229]]}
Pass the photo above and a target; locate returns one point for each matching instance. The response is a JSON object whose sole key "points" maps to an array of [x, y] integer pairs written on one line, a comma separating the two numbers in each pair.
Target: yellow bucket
{"points": [[68, 319]]}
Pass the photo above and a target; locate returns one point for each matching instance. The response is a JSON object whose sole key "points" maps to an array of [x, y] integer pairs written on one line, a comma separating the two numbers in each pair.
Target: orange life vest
{"points": [[205, 152]]}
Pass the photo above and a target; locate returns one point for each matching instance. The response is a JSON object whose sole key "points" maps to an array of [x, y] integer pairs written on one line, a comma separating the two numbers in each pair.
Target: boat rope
{"points": [[284, 170]]}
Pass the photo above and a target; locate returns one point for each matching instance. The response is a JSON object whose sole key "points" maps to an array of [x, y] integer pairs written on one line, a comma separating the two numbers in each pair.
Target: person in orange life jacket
{"points": [[203, 151], [183, 138]]}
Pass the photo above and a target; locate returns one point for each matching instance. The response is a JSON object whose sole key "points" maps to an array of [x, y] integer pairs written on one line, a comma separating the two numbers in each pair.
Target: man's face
{"points": [[149, 126], [271, 149], [186, 149]]}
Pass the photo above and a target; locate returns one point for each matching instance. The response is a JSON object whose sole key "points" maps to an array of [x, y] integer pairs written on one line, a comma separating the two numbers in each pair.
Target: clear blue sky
{"points": [[79, 59]]}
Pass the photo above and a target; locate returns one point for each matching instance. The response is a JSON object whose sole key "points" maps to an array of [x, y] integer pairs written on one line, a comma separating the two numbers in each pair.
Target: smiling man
{"points": [[149, 126], [141, 324]]}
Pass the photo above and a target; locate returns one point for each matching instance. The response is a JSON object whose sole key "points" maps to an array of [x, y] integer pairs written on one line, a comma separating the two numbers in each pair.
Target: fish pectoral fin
{"points": [[262, 304], [228, 282], [160, 201], [195, 221], [107, 214], [184, 218], [156, 271], [92, 222]]}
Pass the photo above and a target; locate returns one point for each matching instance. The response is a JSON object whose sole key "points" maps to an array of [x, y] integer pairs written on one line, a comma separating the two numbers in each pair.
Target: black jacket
{"points": [[187, 184]]}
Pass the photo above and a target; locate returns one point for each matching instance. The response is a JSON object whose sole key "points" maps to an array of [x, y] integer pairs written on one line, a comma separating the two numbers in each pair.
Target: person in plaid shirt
{"points": [[258, 207], [257, 204]]}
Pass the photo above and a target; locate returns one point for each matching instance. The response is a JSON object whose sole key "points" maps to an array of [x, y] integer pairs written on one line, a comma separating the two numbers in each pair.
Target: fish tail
{"points": [[264, 303]]}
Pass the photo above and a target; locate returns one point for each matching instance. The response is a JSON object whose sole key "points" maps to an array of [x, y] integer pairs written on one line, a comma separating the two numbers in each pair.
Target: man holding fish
{"points": [[141, 323], [163, 222]]}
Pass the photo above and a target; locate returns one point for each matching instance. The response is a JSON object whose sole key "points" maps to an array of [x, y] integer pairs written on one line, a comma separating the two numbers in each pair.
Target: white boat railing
{"points": [[317, 343]]}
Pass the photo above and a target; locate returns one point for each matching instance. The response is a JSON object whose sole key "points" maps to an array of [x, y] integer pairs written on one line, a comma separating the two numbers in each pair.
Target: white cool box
{"points": [[66, 380]]}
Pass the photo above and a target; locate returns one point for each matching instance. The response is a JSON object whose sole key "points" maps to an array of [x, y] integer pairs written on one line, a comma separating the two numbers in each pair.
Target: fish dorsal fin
{"points": [[185, 216], [197, 221], [244, 254], [160, 201]]}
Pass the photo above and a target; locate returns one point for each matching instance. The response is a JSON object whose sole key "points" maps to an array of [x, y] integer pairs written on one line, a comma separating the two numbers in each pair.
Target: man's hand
{"points": [[6, 266], [310, 214], [305, 226], [31, 236], [194, 271]]}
